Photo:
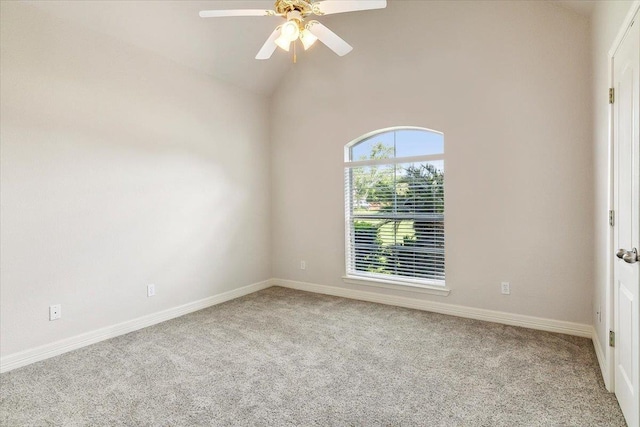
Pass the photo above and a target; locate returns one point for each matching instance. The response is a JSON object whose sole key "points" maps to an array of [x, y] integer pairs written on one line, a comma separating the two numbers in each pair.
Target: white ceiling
{"points": [[583, 7], [223, 47]]}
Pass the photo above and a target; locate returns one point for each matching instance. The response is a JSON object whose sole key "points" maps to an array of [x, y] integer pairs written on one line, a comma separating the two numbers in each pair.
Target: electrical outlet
{"points": [[599, 314], [303, 265], [506, 288], [55, 312], [151, 290]]}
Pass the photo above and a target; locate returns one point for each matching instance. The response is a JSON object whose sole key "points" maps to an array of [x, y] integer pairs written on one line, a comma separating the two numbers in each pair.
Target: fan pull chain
{"points": [[295, 57]]}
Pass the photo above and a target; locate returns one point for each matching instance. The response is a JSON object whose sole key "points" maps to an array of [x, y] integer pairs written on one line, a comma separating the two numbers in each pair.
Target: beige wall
{"points": [[119, 169], [509, 85], [607, 20]]}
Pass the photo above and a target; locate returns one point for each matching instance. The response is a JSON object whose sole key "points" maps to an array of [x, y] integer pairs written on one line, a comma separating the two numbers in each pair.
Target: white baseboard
{"points": [[531, 322], [46, 351], [602, 360], [36, 354]]}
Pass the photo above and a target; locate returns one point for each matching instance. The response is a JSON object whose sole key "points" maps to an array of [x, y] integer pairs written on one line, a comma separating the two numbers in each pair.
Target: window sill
{"points": [[397, 285]]}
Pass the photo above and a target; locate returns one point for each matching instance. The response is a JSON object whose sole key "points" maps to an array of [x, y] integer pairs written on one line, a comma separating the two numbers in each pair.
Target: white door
{"points": [[626, 63]]}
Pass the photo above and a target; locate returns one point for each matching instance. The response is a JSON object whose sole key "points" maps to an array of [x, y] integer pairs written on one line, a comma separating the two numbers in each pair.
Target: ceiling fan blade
{"points": [[328, 7], [329, 38], [269, 46], [237, 12]]}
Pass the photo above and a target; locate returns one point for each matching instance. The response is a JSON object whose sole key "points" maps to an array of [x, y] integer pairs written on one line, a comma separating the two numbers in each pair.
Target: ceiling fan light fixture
{"points": [[283, 43], [307, 39], [295, 13], [290, 30]]}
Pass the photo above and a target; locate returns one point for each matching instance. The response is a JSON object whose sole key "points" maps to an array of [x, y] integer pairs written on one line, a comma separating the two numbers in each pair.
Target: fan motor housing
{"points": [[286, 6]]}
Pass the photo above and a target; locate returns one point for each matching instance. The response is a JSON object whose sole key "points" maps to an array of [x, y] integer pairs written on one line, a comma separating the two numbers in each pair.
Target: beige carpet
{"points": [[282, 357]]}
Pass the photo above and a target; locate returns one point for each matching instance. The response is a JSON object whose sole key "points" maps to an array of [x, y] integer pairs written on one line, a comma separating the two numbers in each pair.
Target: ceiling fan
{"points": [[296, 12]]}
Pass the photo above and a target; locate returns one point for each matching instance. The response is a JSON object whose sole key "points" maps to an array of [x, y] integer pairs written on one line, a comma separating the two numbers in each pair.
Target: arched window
{"points": [[394, 206]]}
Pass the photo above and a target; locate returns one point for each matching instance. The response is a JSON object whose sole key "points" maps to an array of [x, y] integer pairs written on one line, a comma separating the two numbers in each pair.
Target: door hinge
{"points": [[612, 95], [612, 339], [612, 218]]}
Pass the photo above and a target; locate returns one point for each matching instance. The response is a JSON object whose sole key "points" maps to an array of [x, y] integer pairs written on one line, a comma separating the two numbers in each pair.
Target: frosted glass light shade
{"points": [[307, 39], [283, 43], [290, 30]]}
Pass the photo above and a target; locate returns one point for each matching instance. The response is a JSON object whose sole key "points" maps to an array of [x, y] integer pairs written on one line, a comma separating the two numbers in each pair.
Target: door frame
{"points": [[609, 369]]}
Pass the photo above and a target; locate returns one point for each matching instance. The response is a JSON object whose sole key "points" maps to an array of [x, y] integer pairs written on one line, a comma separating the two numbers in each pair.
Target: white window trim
{"points": [[428, 286], [394, 161], [398, 285]]}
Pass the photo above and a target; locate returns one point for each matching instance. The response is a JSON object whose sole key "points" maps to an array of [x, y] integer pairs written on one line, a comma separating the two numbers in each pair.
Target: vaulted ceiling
{"points": [[223, 47]]}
